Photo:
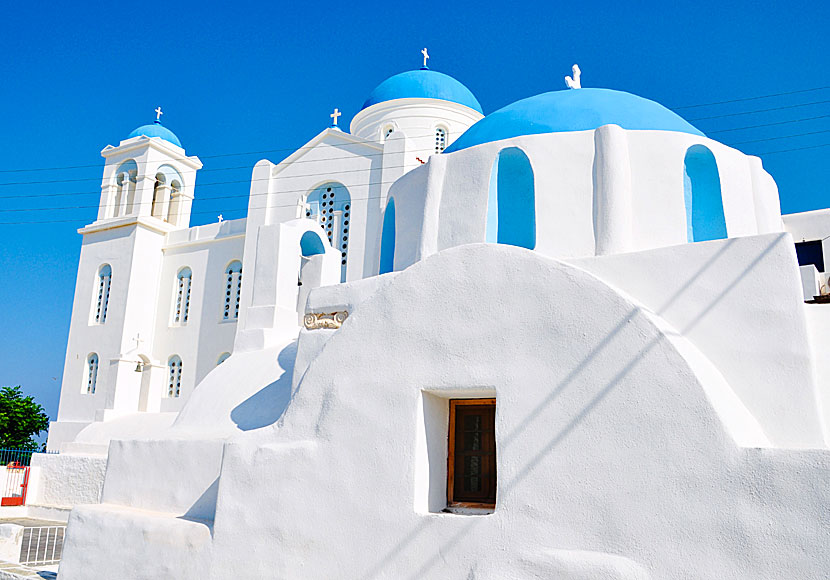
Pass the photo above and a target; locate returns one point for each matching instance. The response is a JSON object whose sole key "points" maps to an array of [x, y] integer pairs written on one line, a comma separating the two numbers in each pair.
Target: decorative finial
{"points": [[426, 57], [334, 116], [574, 83], [158, 115], [221, 219]]}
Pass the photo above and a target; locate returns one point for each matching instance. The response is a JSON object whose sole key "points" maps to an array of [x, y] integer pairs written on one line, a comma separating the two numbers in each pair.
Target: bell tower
{"points": [[148, 175]]}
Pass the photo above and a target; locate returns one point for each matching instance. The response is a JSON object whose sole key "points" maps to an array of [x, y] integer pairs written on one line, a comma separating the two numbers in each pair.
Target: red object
{"points": [[17, 480]]}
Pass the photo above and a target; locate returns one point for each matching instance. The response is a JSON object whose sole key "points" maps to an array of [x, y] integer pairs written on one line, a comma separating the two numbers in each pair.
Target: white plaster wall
{"points": [[755, 334], [612, 460], [206, 335], [64, 481], [565, 177]]}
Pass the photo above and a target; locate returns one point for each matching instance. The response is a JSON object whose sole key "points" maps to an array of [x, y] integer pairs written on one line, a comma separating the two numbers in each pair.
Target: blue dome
{"points": [[572, 110], [156, 130], [425, 84]]}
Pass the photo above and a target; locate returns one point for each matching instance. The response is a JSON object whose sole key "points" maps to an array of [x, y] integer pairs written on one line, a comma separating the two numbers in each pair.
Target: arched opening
{"points": [[440, 139], [702, 196], [511, 203], [175, 202], [92, 373], [311, 245], [174, 380], [387, 239], [312, 256], [160, 190], [233, 290], [330, 205], [103, 298], [182, 307], [126, 177]]}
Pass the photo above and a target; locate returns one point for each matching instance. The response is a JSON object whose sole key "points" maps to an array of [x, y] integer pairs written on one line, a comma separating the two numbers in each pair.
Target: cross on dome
{"points": [[574, 83], [334, 116], [158, 114], [426, 57], [221, 219]]}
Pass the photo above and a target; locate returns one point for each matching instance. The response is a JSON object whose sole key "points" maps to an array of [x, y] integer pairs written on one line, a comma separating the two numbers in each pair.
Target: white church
{"points": [[572, 339]]}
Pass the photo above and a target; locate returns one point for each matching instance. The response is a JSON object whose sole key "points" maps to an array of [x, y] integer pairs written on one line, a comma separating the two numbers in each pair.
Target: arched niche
{"points": [[702, 196], [124, 180], [387, 239], [166, 192], [511, 203]]}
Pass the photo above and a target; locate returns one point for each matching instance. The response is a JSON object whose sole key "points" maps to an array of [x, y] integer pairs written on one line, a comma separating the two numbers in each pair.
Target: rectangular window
{"points": [[810, 253], [471, 458]]}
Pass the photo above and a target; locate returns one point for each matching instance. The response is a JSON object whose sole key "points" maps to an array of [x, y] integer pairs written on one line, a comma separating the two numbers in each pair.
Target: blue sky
{"points": [[242, 77]]}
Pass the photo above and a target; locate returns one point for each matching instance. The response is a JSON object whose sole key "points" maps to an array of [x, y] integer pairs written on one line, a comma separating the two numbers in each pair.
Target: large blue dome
{"points": [[423, 83], [156, 130], [572, 110]]}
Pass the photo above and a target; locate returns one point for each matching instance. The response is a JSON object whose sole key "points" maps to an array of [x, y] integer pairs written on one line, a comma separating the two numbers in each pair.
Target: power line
{"points": [[769, 124], [292, 149], [759, 111], [752, 98], [782, 137]]}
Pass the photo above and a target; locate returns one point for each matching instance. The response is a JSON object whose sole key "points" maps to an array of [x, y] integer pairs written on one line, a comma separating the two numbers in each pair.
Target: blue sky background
{"points": [[251, 77]]}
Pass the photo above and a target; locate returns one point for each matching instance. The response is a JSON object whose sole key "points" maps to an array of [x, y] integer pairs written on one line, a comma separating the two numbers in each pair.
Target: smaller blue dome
{"points": [[572, 110], [156, 130], [423, 84]]}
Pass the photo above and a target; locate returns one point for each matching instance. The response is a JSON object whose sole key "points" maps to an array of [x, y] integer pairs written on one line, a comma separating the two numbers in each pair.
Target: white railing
{"points": [[42, 546]]}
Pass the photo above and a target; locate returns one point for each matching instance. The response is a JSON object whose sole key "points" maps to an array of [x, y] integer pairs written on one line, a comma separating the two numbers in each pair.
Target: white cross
{"points": [[158, 113], [426, 56], [138, 340], [220, 218], [334, 116]]}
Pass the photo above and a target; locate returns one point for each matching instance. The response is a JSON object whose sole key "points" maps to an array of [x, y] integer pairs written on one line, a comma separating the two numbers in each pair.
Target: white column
{"points": [[125, 192], [767, 203], [612, 191]]}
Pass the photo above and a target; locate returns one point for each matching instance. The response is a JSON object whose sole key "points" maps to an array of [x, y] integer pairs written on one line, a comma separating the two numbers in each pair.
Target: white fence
{"points": [[42, 546]]}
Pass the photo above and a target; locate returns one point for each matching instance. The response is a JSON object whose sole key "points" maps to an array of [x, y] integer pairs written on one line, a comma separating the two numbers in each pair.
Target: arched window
{"points": [[183, 296], [511, 204], [233, 289], [440, 139], [159, 195], [104, 283], [92, 373], [387, 239], [330, 205], [175, 202], [126, 177], [388, 130], [174, 382], [702, 196], [222, 358]]}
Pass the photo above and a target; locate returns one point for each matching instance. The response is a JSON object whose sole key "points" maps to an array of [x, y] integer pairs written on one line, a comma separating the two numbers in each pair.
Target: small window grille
{"points": [[440, 139], [330, 205], [174, 384], [183, 296], [233, 290], [92, 373], [104, 281]]}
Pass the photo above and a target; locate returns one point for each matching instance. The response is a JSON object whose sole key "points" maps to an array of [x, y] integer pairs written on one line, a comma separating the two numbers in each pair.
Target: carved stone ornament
{"points": [[332, 320]]}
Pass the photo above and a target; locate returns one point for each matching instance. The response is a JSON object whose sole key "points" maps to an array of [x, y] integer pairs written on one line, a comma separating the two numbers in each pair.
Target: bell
{"points": [[139, 367]]}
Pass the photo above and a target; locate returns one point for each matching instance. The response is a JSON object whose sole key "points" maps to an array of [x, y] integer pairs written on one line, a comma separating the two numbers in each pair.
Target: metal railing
{"points": [[22, 457], [42, 546]]}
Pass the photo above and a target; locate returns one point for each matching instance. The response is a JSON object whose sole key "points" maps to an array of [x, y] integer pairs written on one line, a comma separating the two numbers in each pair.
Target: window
{"points": [[471, 458], [330, 206], [702, 196], [388, 131], [174, 383], [183, 296], [810, 253], [222, 358], [233, 288], [104, 282], [387, 239], [511, 202], [440, 139], [92, 373]]}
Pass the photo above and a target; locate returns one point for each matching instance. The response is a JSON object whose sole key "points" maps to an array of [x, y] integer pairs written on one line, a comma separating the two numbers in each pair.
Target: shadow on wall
{"points": [[267, 405]]}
